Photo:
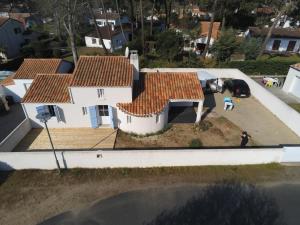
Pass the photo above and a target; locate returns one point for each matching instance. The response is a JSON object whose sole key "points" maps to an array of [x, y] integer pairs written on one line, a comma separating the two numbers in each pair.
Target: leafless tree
{"points": [[152, 14], [212, 20], [69, 21], [142, 26], [97, 29], [121, 26]]}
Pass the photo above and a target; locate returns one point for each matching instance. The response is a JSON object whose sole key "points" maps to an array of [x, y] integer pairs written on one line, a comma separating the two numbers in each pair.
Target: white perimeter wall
{"points": [[141, 158], [112, 95], [143, 125], [280, 109]]}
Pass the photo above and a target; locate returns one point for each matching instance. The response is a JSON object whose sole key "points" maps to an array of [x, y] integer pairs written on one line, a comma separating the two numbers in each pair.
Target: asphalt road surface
{"points": [[140, 207]]}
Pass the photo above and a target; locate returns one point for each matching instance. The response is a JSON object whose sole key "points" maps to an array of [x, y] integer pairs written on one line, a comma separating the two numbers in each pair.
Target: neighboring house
{"points": [[118, 39], [28, 20], [11, 37], [283, 40], [109, 91], [112, 19], [292, 81], [198, 45], [17, 84]]}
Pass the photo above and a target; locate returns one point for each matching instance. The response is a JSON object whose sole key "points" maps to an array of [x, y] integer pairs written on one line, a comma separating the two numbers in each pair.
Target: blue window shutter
{"points": [[93, 116], [111, 116], [40, 109], [57, 114]]}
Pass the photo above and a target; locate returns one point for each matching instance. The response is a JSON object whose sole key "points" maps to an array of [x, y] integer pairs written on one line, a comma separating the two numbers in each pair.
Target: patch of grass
{"points": [[295, 106], [195, 143]]}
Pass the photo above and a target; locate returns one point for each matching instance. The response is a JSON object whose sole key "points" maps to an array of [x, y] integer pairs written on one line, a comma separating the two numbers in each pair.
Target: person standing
{"points": [[244, 138]]}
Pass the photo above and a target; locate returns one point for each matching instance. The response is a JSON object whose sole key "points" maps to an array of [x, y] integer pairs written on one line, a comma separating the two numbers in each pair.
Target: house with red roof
{"points": [[110, 91]]}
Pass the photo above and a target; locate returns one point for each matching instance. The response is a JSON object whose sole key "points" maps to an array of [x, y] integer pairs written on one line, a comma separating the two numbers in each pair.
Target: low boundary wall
{"points": [[11, 141], [140, 158]]}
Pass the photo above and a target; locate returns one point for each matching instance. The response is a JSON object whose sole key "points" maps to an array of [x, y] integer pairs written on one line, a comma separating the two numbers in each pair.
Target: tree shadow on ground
{"points": [[5, 172], [227, 203]]}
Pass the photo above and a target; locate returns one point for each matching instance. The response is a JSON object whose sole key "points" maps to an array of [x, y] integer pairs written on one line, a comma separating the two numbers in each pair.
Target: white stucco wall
{"points": [[112, 95], [18, 89], [143, 125], [71, 114], [9, 39], [139, 158], [118, 41], [292, 82], [283, 45]]}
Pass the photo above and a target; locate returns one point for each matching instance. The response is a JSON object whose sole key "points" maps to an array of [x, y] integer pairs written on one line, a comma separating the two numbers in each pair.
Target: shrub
{"points": [[195, 143], [203, 125], [265, 67]]}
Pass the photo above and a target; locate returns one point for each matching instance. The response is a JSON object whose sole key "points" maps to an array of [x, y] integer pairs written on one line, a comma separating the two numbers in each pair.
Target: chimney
{"points": [[134, 60]]}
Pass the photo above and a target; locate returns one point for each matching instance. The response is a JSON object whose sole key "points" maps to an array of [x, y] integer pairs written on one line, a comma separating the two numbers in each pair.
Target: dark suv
{"points": [[238, 88]]}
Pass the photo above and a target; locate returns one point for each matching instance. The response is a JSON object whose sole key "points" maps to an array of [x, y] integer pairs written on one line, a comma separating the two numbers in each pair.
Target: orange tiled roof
{"points": [[31, 67], [47, 88], [154, 90], [8, 81], [204, 27], [103, 71]]}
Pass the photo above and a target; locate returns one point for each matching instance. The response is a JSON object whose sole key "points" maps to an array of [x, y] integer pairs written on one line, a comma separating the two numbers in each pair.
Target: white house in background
{"points": [[112, 19], [283, 40], [11, 37], [17, 84], [118, 39], [109, 91], [292, 81]]}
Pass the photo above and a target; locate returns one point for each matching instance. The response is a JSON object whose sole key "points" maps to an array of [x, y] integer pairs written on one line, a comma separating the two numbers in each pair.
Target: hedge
{"points": [[264, 67]]}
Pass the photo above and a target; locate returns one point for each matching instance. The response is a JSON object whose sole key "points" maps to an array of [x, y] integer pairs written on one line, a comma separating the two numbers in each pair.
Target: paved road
{"points": [[136, 208], [10, 120]]}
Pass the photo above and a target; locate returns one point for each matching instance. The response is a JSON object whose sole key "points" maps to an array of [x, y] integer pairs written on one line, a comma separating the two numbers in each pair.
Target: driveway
{"points": [[68, 138], [140, 207], [10, 120], [251, 116]]}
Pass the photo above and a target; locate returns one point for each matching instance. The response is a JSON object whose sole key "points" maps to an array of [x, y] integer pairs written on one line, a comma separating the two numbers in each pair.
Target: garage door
{"points": [[295, 90]]}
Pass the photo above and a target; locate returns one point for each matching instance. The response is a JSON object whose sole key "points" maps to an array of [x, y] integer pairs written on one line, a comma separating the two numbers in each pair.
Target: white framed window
{"points": [[128, 119], [157, 118], [94, 40], [103, 110], [84, 110], [100, 93]]}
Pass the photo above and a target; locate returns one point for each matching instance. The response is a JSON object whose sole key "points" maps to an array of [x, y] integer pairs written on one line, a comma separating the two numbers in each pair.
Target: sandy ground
{"points": [[30, 197], [221, 132]]}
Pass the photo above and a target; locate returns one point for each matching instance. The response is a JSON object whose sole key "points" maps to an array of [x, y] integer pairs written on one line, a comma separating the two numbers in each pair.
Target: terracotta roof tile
{"points": [[47, 88], [103, 71], [31, 67], [154, 90], [8, 81], [204, 27]]}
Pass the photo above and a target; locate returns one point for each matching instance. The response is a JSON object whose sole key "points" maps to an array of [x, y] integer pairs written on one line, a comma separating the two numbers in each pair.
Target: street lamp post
{"points": [[44, 117]]}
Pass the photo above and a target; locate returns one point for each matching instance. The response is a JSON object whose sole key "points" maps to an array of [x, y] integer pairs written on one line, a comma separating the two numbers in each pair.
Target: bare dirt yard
{"points": [[212, 132], [30, 197]]}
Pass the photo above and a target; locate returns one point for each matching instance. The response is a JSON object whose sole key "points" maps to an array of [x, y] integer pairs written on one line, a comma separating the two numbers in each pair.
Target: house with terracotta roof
{"points": [[11, 37], [113, 37], [17, 84], [109, 91], [199, 44]]}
